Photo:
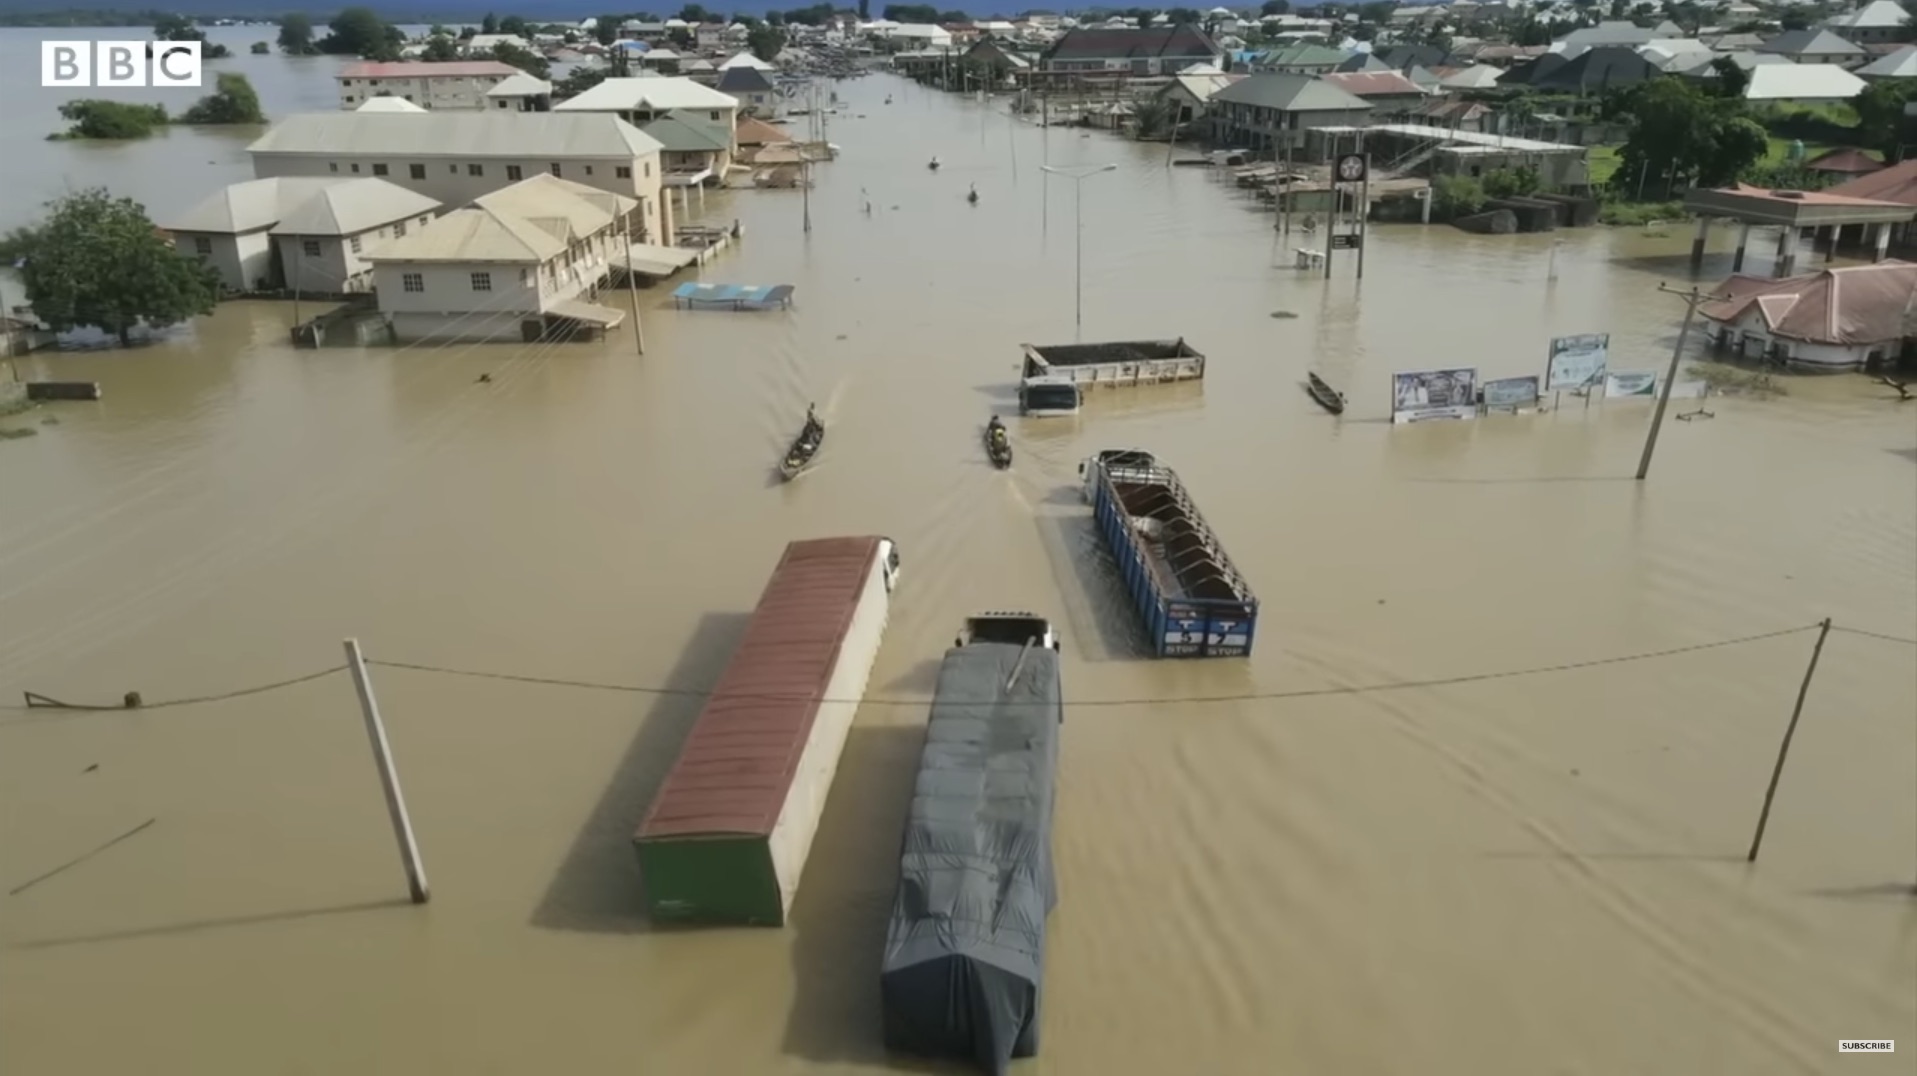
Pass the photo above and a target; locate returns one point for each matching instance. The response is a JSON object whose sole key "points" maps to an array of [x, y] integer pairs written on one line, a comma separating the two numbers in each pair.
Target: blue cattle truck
{"points": [[1194, 602]]}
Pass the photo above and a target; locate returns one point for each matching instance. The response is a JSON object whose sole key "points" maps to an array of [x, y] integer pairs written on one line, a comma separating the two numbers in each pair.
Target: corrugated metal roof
{"points": [[647, 94], [1290, 93], [496, 133], [251, 206], [680, 135], [1802, 82], [757, 132], [542, 197], [352, 207], [746, 59], [520, 85], [389, 104], [1810, 42], [473, 234], [1898, 183], [740, 759], [1374, 84], [1899, 64], [449, 69], [1849, 306]]}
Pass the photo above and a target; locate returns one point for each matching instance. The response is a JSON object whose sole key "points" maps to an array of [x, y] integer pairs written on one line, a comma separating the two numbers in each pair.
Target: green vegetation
{"points": [[1460, 196], [359, 31], [261, 48], [94, 118], [232, 101], [523, 58], [98, 261], [765, 41], [1638, 214], [296, 35], [182, 28]]}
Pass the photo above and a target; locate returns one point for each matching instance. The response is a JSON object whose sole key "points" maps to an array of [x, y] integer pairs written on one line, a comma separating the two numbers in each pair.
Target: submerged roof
{"points": [[457, 134], [757, 132], [1848, 306], [741, 757], [746, 59]]}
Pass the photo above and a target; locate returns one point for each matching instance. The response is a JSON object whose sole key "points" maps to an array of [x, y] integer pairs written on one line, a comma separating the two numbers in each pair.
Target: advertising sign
{"points": [[1577, 362], [1513, 393], [1422, 394], [1630, 383]]}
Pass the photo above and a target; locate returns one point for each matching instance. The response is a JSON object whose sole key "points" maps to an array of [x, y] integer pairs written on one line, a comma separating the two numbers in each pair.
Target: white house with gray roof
{"points": [[520, 263], [641, 100], [1876, 23], [304, 233], [1274, 109], [455, 157]]}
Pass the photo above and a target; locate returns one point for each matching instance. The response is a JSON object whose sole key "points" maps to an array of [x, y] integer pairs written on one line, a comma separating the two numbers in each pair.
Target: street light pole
{"points": [[1078, 177]]}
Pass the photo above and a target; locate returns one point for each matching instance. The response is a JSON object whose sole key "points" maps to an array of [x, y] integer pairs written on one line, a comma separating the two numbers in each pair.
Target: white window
{"points": [[311, 247], [482, 282], [413, 282]]}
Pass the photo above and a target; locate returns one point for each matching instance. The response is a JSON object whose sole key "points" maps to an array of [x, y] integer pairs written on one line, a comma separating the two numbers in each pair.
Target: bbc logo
{"points": [[120, 63]]}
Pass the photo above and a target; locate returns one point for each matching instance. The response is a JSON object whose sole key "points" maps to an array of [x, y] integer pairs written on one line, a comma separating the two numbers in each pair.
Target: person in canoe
{"points": [[934, 166], [996, 431], [972, 196]]}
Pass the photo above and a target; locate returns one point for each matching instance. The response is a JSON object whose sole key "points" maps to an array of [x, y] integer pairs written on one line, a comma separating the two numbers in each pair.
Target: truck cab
{"points": [[1016, 628], [1116, 460], [1046, 396]]}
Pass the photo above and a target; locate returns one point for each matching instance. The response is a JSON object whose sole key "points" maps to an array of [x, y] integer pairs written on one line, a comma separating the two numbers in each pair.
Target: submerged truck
{"points": [[963, 967], [1194, 602], [726, 839], [1057, 376]]}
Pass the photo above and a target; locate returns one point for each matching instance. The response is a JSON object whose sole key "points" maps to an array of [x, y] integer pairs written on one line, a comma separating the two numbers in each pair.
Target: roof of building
{"points": [[445, 69], [1628, 34], [250, 206], [1374, 84], [679, 134], [530, 222], [1847, 306], [388, 104], [742, 79], [745, 59], [1876, 15], [1898, 184], [1899, 64], [353, 206], [1289, 92], [521, 85], [1845, 162], [1480, 77], [1400, 57], [1594, 69], [1203, 87], [457, 134], [1705, 66], [1362, 61], [1303, 54], [1099, 43], [1812, 42], [757, 132], [649, 94], [1802, 82]]}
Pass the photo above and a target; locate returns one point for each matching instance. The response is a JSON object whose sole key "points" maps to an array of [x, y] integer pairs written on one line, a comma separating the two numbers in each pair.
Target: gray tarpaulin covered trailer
{"points": [[964, 952]]}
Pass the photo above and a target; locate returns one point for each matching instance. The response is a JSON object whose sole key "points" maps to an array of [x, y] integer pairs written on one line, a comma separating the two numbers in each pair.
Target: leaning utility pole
{"points": [[1691, 300]]}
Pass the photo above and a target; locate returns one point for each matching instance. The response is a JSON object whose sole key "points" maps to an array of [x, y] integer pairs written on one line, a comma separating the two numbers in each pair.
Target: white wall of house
{"points": [[335, 264], [460, 93], [1748, 336], [444, 300], [456, 182], [243, 261]]}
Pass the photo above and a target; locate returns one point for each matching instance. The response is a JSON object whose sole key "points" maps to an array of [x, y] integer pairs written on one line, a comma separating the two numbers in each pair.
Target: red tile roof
{"points": [[1898, 184], [451, 69], [1847, 162], [1839, 195], [1373, 83], [1848, 306]]}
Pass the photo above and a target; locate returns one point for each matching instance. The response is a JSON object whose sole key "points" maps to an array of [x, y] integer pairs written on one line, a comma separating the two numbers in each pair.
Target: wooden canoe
{"points": [[1328, 398]]}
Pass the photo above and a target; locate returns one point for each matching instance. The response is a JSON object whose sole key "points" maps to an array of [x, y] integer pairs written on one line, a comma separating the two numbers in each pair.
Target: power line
{"points": [[47, 703], [1874, 635]]}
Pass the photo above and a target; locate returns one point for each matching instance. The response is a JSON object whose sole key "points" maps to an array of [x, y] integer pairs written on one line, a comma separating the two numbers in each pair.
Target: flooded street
{"points": [[1528, 874]]}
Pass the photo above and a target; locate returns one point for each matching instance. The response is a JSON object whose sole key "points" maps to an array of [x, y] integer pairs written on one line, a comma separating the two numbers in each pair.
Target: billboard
{"points": [[1577, 362], [1630, 383], [1421, 394], [1511, 392]]}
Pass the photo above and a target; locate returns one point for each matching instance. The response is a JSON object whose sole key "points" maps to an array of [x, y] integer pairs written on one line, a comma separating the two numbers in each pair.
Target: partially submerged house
{"points": [[458, 86], [1190, 92], [756, 94], [693, 152], [1839, 319], [1267, 111], [302, 233], [1389, 93], [639, 101], [521, 263]]}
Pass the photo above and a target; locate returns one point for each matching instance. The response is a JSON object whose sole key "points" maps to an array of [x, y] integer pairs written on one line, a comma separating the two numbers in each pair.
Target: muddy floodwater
{"points": [[1528, 874]]}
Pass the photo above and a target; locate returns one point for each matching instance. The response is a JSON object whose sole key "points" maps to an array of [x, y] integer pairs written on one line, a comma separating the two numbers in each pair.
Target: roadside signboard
{"points": [[1511, 393], [1417, 395], [1577, 362]]}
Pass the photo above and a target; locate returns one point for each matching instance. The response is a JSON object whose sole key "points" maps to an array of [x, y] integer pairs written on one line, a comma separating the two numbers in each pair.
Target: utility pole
{"points": [[632, 287], [1691, 300], [1078, 177], [1364, 210]]}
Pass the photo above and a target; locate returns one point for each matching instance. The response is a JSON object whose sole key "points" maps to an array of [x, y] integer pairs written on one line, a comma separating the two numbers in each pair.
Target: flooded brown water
{"points": [[1522, 875]]}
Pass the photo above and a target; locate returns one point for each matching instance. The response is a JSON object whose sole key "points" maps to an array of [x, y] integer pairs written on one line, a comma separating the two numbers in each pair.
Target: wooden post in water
{"points": [[1364, 209], [1784, 749], [388, 779]]}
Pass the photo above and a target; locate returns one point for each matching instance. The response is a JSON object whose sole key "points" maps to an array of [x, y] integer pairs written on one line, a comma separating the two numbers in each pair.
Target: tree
{"points": [[1731, 80], [1456, 196], [1511, 182], [1880, 113], [1184, 16], [1152, 117], [1275, 7], [296, 35], [1794, 20], [1681, 133], [93, 118], [232, 101], [766, 42], [359, 31], [261, 48], [181, 28], [97, 260], [580, 80], [489, 24], [523, 58], [606, 29], [516, 26], [917, 13], [440, 50], [694, 14], [865, 10]]}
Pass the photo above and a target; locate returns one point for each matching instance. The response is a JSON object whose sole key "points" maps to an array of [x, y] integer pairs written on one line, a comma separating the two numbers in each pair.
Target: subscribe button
{"points": [[1866, 1046]]}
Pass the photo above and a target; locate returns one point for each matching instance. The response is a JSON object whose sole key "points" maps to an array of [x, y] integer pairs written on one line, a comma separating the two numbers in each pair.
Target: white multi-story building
{"points": [[456, 87], [456, 157], [521, 263], [304, 234], [641, 100]]}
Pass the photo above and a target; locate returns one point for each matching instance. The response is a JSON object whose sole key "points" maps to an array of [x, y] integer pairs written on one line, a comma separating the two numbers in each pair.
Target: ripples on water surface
{"points": [[1524, 875]]}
